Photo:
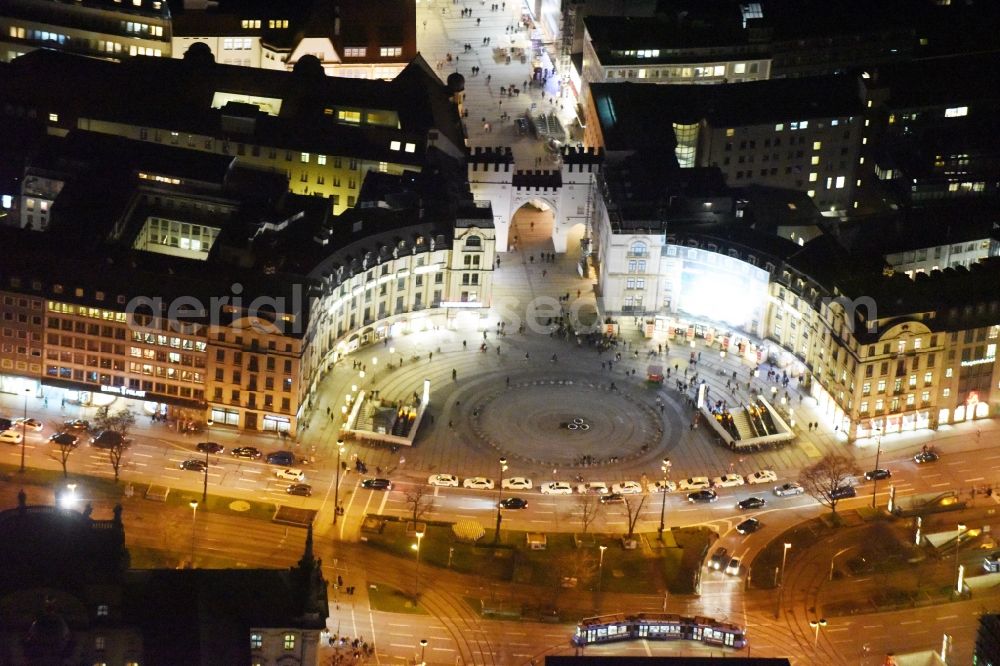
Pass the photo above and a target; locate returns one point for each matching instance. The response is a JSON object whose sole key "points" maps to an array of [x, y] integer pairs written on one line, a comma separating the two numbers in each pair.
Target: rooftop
{"points": [[947, 80]]}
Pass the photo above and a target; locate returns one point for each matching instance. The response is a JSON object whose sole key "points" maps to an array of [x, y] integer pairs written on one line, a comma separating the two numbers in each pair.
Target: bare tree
{"points": [[119, 422], [419, 502], [632, 511], [588, 507], [580, 564], [66, 445], [822, 479]]}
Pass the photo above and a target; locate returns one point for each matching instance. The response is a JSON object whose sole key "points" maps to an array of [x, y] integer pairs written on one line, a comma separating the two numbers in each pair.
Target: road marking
{"points": [[946, 617], [940, 485], [402, 645], [978, 478], [444, 649], [143, 455], [908, 621], [545, 512]]}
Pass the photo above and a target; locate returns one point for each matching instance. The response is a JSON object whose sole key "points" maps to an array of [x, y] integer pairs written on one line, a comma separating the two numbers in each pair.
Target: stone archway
{"points": [[531, 226]]}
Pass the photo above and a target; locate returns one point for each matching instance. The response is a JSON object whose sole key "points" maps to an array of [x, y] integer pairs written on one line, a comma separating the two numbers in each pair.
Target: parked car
{"points": [[762, 476], [748, 526], [291, 474], [728, 481], [613, 498], [11, 436], [705, 495], [300, 489], [6, 424], [246, 452], [516, 483], [377, 484], [556, 488], [443, 480], [478, 483], [107, 439], [513, 503], [843, 492], [665, 486], [719, 559], [789, 489], [193, 465], [593, 488], [926, 457], [285, 458], [733, 568], [77, 424], [30, 424], [210, 447], [64, 439], [695, 483], [751, 503], [992, 563], [877, 474], [627, 488]]}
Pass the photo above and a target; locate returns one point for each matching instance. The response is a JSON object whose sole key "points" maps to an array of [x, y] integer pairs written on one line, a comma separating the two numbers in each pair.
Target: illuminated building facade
{"points": [[112, 29]]}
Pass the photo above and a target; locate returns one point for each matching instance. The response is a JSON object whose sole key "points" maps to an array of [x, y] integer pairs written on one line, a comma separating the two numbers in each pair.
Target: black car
{"points": [[747, 526], [285, 458], [77, 424], [719, 559], [64, 439], [5, 424], [193, 465], [377, 484], [248, 452], [107, 439], [926, 457], [513, 503], [843, 492], [300, 489], [751, 503], [612, 498], [703, 496], [877, 474], [210, 447]]}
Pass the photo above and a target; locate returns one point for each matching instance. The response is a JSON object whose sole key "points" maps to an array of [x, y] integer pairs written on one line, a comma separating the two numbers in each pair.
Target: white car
{"points": [[556, 488], [443, 480], [290, 474], [789, 489], [11, 436], [517, 483], [728, 481], [733, 568], [695, 483], [478, 482], [626, 488], [670, 486], [762, 476], [593, 488]]}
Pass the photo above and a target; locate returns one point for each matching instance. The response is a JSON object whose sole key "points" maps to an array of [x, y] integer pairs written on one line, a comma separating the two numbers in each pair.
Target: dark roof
{"points": [[950, 80], [950, 221], [674, 36], [634, 115]]}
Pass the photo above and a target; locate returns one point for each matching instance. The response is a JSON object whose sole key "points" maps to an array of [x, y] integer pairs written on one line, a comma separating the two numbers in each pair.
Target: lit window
{"points": [[289, 641], [956, 112], [256, 641], [740, 68], [349, 116], [811, 193], [730, 132], [305, 158], [840, 182], [779, 127], [102, 610], [814, 160], [948, 372], [946, 392], [410, 148], [394, 145], [321, 159], [817, 145], [99, 643], [813, 176]]}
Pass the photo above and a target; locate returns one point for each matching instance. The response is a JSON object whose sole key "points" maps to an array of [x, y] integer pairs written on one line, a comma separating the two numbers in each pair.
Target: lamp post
{"points": [[204, 489], [423, 646], [878, 454], [781, 579], [600, 569], [336, 487], [24, 428], [665, 468], [817, 625], [958, 541], [503, 468], [416, 576], [194, 515]]}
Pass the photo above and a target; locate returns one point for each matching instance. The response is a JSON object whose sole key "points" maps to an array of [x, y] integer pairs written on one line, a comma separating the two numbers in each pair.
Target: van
{"points": [[843, 492]]}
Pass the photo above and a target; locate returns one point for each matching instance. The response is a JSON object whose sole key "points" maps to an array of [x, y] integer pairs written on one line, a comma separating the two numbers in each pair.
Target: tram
{"points": [[658, 627]]}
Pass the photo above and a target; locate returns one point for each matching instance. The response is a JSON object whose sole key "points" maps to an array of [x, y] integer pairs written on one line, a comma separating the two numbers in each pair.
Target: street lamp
{"points": [[958, 541], [784, 555], [24, 427], [665, 468], [194, 515], [416, 577], [336, 488], [423, 646], [600, 569], [817, 625], [503, 468], [204, 490], [878, 453]]}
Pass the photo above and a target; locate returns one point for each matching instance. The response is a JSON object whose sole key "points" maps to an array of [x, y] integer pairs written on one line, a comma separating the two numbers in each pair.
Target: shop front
{"points": [[86, 399]]}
